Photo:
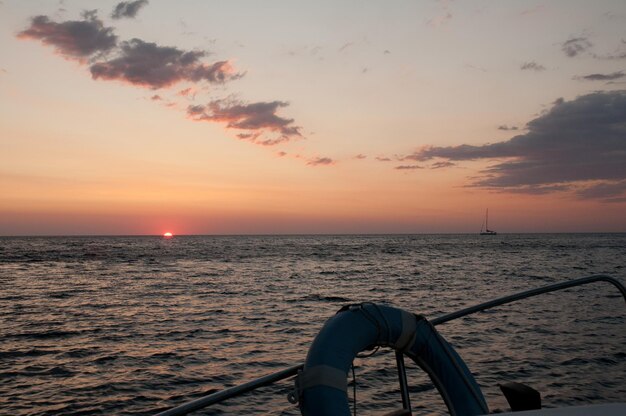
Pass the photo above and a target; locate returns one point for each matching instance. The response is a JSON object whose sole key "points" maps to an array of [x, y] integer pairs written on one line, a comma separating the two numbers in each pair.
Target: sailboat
{"points": [[486, 230]]}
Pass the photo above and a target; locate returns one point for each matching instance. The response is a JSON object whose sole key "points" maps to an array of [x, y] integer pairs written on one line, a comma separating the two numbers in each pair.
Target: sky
{"points": [[281, 117]]}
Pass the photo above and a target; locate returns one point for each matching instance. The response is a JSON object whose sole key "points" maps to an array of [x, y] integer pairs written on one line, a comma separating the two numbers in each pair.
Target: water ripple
{"points": [[132, 325]]}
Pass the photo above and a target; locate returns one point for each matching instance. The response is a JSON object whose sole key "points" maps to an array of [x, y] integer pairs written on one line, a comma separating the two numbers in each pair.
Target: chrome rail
{"points": [[220, 396]]}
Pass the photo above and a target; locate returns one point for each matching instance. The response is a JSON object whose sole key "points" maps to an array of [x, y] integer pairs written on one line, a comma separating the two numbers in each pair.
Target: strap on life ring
{"points": [[321, 388]]}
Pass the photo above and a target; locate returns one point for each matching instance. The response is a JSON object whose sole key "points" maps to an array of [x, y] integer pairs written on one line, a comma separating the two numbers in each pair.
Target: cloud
{"points": [[603, 77], [146, 64], [345, 46], [532, 66], [444, 17], [507, 128], [476, 68], [578, 145], [187, 92], [618, 53], [258, 118], [360, 157], [383, 159], [73, 39], [321, 161], [575, 46], [128, 9], [440, 165], [137, 62], [614, 191], [408, 167]]}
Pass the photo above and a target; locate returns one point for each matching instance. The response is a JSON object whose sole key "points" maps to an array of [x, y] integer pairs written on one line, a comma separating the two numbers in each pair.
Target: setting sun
{"points": [[167, 234]]}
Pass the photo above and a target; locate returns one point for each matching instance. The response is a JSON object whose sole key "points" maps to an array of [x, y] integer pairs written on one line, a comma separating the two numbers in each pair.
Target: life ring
{"points": [[321, 387]]}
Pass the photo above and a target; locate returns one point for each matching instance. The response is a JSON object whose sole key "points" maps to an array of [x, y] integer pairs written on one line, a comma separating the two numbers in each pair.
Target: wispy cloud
{"points": [[602, 77], [442, 164], [618, 52], [576, 46], [443, 17], [532, 66], [128, 9], [345, 46], [578, 145], [321, 161], [73, 39], [507, 128], [408, 167], [258, 118], [607, 191]]}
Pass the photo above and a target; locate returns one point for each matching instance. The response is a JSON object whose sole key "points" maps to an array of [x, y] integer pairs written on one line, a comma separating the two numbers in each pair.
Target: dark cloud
{"points": [[575, 46], [603, 77], [258, 118], [383, 159], [76, 39], [532, 66], [137, 62], [578, 144], [321, 161], [507, 128], [148, 65], [360, 156], [128, 9]]}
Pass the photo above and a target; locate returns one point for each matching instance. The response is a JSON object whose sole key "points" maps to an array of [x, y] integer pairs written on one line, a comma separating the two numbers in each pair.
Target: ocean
{"points": [[134, 325]]}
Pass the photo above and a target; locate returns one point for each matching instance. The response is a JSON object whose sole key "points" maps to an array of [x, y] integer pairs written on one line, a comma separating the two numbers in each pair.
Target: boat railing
{"points": [[238, 390]]}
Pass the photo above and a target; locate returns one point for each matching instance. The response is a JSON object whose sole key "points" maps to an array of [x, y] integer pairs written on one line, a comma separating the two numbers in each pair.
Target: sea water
{"points": [[132, 325]]}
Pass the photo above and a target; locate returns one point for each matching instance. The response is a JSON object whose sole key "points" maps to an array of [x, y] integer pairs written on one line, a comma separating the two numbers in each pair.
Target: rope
{"points": [[353, 388]]}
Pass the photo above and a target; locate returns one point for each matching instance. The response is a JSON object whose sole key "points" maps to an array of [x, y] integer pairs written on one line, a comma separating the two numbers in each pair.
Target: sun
{"points": [[168, 235]]}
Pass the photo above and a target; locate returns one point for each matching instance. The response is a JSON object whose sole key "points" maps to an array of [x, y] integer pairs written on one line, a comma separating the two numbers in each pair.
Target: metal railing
{"points": [[220, 396]]}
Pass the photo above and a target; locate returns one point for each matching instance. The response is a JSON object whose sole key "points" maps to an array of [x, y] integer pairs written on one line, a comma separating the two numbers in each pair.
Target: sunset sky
{"points": [[248, 117]]}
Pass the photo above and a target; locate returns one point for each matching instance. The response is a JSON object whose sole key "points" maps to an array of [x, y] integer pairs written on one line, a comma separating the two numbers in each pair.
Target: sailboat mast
{"points": [[487, 220]]}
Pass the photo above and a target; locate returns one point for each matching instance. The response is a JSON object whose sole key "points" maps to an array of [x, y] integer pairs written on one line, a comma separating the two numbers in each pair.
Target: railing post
{"points": [[404, 387]]}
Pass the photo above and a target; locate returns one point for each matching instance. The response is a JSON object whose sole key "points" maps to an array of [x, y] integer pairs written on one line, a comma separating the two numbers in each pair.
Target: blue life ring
{"points": [[321, 387]]}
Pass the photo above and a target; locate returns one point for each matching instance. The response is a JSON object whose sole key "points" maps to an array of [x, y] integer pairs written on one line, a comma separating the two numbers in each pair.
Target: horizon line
{"points": [[299, 234]]}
